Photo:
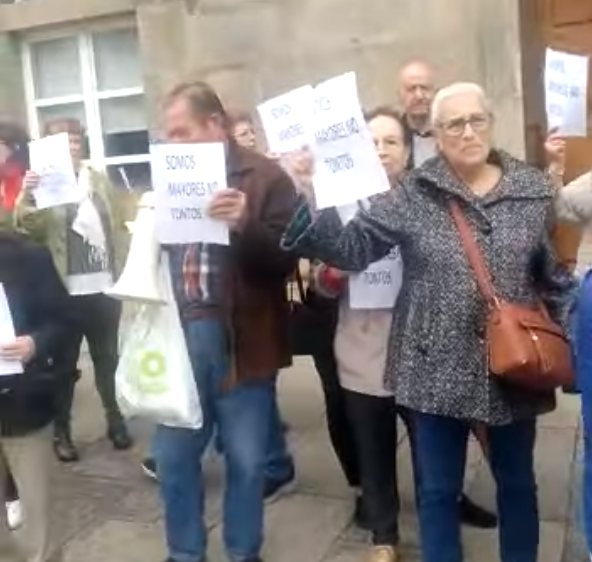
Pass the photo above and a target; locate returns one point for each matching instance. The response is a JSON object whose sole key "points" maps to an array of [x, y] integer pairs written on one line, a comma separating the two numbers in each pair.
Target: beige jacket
{"points": [[361, 341], [573, 202]]}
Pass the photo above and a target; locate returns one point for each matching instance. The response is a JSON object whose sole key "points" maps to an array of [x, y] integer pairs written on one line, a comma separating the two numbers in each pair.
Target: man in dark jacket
{"points": [[34, 301], [417, 88], [232, 300]]}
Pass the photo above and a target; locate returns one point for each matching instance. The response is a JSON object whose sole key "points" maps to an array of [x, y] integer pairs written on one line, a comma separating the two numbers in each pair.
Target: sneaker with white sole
{"points": [[149, 468], [14, 514]]}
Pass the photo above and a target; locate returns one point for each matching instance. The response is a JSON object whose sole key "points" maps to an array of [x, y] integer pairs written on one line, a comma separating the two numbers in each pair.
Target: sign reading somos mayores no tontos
{"points": [[185, 178]]}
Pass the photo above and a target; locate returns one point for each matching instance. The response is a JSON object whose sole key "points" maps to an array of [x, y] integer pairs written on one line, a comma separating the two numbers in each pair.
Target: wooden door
{"points": [[565, 25], [568, 27]]}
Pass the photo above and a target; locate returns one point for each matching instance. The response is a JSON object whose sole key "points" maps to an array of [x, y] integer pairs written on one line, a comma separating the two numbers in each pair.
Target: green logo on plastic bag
{"points": [[152, 371]]}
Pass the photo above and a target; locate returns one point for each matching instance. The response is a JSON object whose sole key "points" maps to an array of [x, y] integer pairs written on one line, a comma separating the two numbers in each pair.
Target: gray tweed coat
{"points": [[437, 360]]}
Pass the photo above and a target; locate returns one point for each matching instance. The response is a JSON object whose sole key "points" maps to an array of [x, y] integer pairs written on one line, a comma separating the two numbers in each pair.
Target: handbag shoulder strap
{"points": [[473, 253], [299, 281], [300, 284]]}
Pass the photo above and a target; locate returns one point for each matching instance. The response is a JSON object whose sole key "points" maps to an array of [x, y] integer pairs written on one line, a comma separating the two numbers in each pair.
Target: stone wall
{"points": [[11, 80], [253, 49]]}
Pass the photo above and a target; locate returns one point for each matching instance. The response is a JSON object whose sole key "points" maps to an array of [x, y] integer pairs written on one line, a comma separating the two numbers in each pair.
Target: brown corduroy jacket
{"points": [[259, 269]]}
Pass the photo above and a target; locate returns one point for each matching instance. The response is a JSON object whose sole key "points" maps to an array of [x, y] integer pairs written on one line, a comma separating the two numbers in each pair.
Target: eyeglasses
{"points": [[456, 127]]}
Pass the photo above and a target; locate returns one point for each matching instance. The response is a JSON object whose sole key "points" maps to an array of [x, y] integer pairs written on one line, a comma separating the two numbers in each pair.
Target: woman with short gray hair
{"points": [[437, 359]]}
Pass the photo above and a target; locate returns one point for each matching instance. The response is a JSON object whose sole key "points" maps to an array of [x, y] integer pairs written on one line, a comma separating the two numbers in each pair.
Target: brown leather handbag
{"points": [[525, 346]]}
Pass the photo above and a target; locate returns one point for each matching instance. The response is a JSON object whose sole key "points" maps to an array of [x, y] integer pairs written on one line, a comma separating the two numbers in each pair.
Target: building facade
{"points": [[108, 62]]}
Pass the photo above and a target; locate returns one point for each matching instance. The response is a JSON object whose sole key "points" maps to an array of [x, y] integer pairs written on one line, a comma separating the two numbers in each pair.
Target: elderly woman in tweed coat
{"points": [[437, 364]]}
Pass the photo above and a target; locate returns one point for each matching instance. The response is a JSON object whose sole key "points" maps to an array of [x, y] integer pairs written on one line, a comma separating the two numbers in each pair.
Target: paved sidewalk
{"points": [[107, 511]]}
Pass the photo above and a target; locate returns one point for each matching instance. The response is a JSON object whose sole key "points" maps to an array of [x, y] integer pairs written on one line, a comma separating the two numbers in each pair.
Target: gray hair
{"points": [[456, 89]]}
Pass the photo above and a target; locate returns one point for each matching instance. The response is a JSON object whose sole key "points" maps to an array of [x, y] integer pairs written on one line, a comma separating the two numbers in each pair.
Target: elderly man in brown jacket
{"points": [[234, 309]]}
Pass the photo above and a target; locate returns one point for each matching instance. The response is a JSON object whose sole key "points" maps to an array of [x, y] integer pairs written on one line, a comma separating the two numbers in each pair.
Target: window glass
{"points": [[56, 68], [117, 60]]}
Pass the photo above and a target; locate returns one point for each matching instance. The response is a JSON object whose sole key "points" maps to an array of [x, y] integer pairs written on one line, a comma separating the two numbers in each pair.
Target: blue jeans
{"points": [[583, 353], [241, 417], [279, 464], [441, 453]]}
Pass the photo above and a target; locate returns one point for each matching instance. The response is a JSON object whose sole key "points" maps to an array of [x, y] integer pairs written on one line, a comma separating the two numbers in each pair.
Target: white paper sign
{"points": [[286, 120], [347, 166], [378, 286], [185, 177], [566, 82], [7, 335], [51, 160]]}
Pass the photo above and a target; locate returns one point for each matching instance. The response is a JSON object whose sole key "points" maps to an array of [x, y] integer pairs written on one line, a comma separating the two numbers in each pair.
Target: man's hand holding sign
{"points": [[229, 206]]}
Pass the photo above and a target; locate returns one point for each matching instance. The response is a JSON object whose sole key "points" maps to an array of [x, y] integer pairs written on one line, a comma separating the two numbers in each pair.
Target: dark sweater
{"points": [[39, 307]]}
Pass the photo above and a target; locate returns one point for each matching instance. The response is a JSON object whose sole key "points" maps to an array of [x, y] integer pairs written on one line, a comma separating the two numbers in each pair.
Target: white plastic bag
{"points": [[154, 378]]}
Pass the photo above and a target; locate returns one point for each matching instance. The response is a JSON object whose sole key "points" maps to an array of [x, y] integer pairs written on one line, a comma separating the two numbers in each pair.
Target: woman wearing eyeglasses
{"points": [[437, 365]]}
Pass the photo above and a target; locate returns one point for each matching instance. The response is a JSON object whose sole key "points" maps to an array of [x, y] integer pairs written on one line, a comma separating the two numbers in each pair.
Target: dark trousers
{"points": [[374, 424], [441, 445], [10, 491], [96, 318], [338, 423]]}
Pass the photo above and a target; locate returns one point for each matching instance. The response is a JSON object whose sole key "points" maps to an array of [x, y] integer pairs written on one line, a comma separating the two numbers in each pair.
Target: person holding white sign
{"points": [[438, 362], [574, 204], [34, 318], [87, 241], [14, 161], [232, 300], [365, 316]]}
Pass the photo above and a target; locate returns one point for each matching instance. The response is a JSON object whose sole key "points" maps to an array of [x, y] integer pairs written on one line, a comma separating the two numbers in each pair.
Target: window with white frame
{"points": [[95, 78]]}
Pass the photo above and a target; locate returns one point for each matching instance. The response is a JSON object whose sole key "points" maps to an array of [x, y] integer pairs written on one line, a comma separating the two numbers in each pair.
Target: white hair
{"points": [[457, 89]]}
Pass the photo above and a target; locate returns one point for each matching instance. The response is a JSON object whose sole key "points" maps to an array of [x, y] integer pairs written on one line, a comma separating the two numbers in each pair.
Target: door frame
{"points": [[532, 18]]}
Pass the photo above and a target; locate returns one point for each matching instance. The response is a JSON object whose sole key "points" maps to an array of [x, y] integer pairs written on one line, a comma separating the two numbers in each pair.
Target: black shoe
{"points": [[64, 448], [360, 516], [476, 516], [120, 437], [274, 488], [571, 390], [149, 468]]}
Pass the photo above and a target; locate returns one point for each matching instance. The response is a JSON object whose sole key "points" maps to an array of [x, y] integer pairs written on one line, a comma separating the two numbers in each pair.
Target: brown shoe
{"points": [[383, 554]]}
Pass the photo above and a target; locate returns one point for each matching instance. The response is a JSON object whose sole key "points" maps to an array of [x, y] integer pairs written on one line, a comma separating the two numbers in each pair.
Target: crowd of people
{"points": [[423, 359]]}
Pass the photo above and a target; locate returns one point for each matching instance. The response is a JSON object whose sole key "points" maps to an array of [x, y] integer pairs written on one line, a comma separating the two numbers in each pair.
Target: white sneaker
{"points": [[14, 514]]}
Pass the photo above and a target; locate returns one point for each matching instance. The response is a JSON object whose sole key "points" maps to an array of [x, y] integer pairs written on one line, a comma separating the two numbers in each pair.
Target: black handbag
{"points": [[313, 319]]}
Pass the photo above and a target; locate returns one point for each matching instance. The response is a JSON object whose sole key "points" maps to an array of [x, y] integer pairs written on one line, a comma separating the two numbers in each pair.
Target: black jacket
{"points": [[39, 307], [409, 134]]}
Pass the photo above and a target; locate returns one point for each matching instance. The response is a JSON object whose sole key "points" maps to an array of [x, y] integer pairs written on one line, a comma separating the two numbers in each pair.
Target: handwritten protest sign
{"points": [[7, 335], [286, 120], [347, 166], [378, 286], [185, 177], [51, 160], [566, 80]]}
